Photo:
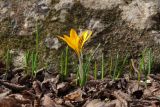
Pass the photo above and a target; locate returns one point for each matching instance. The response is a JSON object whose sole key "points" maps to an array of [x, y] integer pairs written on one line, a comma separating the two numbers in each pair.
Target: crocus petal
{"points": [[77, 52], [70, 42], [81, 42], [86, 35], [62, 38], [76, 42], [73, 34]]}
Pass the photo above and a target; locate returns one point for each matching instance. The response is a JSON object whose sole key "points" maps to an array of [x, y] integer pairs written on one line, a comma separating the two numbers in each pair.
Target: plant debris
{"points": [[53, 92]]}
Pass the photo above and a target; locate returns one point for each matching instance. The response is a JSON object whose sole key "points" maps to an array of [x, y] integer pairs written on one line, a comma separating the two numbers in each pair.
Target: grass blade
{"points": [[95, 70], [110, 66], [102, 66], [66, 63], [116, 66]]}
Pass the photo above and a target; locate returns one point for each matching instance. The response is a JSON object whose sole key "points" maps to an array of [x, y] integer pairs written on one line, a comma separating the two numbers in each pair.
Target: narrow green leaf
{"points": [[102, 66], [66, 62], [95, 70]]}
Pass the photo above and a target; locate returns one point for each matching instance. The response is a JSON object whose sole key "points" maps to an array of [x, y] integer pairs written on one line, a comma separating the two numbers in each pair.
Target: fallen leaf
{"points": [[62, 87], [48, 102], [4, 94], [96, 103], [74, 96]]}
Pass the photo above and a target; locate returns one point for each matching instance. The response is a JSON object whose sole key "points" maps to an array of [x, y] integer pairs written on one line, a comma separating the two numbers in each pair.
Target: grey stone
{"points": [[18, 58], [54, 18], [62, 16], [96, 26], [24, 14], [64, 4], [139, 13], [38, 11], [101, 4], [156, 36], [5, 8], [52, 43], [115, 23]]}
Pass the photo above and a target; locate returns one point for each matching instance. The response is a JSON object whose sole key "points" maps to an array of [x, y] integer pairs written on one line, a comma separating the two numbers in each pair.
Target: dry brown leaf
{"points": [[14, 100], [37, 88], [122, 97], [96, 103], [62, 87], [74, 96], [58, 101], [48, 102], [4, 94], [12, 86]]}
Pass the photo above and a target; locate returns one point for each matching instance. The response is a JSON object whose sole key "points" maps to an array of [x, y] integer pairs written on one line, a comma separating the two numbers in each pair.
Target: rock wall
{"points": [[124, 25]]}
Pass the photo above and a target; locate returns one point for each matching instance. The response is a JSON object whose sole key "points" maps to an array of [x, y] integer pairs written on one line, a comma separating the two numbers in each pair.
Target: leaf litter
{"points": [[48, 90]]}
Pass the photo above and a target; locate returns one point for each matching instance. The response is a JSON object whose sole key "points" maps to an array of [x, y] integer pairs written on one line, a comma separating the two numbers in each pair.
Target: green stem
{"points": [[116, 66], [61, 64], [37, 37], [81, 69], [110, 66], [102, 73], [95, 70], [149, 62], [66, 62]]}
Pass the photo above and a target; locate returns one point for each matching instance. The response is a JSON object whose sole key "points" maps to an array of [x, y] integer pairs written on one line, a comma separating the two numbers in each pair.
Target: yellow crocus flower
{"points": [[76, 42]]}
